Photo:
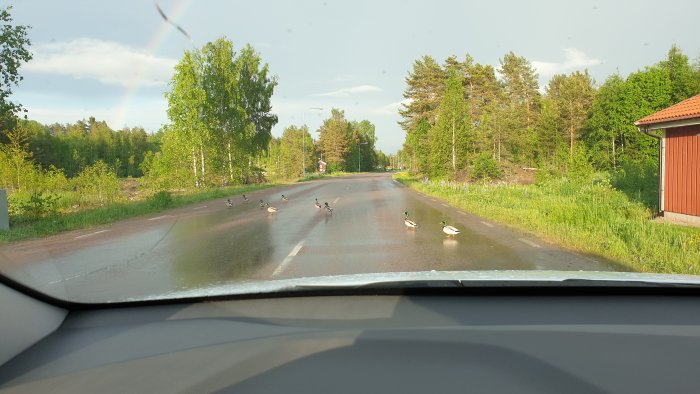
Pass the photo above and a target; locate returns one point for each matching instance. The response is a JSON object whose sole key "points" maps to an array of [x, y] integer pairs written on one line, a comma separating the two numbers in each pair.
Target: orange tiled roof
{"points": [[686, 109]]}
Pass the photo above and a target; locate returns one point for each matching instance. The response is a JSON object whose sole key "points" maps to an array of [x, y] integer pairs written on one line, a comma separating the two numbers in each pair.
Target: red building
{"points": [[678, 130], [321, 166]]}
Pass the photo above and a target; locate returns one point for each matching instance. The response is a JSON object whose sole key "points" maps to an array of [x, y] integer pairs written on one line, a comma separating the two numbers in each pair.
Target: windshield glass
{"points": [[151, 150]]}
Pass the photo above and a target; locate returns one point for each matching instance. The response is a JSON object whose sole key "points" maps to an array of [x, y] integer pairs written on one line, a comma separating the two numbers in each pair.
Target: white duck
{"points": [[449, 230], [408, 222], [271, 209]]}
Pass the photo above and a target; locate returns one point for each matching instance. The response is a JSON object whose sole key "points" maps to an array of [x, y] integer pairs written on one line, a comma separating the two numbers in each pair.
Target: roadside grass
{"points": [[317, 175], [117, 211], [590, 218]]}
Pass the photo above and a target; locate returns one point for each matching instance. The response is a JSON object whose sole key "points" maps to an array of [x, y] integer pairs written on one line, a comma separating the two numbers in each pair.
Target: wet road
{"points": [[209, 244]]}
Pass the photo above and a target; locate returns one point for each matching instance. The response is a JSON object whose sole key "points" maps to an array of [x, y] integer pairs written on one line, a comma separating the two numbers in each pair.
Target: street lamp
{"points": [[359, 157], [303, 140]]}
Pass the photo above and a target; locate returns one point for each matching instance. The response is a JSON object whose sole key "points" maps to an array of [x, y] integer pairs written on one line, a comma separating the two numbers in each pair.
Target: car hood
{"points": [[437, 279]]}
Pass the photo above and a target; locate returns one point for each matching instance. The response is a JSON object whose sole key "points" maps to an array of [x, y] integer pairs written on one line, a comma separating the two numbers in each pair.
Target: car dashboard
{"points": [[323, 342]]}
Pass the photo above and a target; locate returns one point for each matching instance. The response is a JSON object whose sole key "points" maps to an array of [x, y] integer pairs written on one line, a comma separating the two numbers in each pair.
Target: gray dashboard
{"points": [[371, 343]]}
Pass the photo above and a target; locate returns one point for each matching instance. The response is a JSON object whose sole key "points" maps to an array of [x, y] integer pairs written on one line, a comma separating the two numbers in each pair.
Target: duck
{"points": [[245, 198], [318, 204], [329, 210], [271, 209], [229, 203], [262, 204], [408, 222], [284, 198], [449, 230]]}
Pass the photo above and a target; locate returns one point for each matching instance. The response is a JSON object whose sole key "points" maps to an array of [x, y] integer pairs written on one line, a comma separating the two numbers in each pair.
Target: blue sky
{"points": [[112, 60]]}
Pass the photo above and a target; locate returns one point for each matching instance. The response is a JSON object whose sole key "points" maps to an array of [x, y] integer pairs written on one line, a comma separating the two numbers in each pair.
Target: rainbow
{"points": [[164, 31]]}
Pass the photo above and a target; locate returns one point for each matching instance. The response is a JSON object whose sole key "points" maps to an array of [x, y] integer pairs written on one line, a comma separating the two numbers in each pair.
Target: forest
{"points": [[466, 120]]}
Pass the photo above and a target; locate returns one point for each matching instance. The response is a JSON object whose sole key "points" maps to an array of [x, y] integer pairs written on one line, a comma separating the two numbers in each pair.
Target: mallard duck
{"points": [[262, 204], [284, 198], [245, 199], [408, 222], [318, 204], [270, 208], [329, 210], [449, 230], [229, 203]]}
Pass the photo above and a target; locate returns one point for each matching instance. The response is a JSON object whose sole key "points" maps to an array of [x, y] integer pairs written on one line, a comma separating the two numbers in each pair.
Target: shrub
{"points": [[485, 167], [97, 183], [161, 200]]}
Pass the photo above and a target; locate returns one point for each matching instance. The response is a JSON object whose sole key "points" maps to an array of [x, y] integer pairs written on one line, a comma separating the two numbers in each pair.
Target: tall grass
{"points": [[117, 211], [592, 218]]}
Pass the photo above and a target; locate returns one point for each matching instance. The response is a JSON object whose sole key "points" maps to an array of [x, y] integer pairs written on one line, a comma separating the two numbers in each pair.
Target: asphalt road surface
{"points": [[210, 244]]}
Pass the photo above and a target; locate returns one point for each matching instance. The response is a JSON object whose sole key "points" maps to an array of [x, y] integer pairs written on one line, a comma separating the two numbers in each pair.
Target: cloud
{"points": [[574, 59], [108, 62], [347, 92], [391, 109]]}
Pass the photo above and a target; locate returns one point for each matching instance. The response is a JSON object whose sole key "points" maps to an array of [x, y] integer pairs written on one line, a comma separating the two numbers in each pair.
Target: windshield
{"points": [[155, 150]]}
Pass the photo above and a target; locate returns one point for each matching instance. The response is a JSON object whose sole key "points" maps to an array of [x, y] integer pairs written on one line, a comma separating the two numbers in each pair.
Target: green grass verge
{"points": [[316, 175], [596, 219], [117, 211]]}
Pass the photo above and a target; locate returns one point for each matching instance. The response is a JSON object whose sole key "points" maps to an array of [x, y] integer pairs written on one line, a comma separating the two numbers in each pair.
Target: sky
{"points": [[113, 60]]}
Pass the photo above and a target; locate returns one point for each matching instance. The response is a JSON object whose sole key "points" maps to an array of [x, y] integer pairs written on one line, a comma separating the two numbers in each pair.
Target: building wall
{"points": [[682, 170]]}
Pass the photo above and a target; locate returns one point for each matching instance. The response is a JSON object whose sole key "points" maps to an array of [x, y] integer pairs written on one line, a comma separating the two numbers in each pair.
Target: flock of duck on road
{"points": [[409, 223]]}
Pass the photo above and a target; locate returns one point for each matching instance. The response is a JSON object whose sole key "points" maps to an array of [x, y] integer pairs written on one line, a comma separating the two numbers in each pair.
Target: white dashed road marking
{"points": [[445, 205], [159, 217], [91, 234], [463, 213], [336, 200], [203, 206], [288, 259], [487, 224], [528, 242]]}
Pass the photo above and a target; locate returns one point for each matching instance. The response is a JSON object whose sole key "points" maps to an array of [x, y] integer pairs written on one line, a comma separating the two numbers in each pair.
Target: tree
{"points": [[334, 139], [257, 87], [362, 137], [573, 96], [520, 83], [186, 100], [608, 122], [220, 106], [296, 149], [422, 95], [522, 100], [449, 138], [14, 44], [685, 81]]}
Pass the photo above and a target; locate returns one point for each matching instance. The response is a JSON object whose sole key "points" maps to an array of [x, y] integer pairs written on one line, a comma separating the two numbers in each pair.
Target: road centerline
{"points": [[283, 265]]}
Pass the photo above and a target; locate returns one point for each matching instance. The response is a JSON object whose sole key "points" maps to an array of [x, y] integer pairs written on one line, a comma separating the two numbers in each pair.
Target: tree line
{"points": [[462, 116], [343, 144]]}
